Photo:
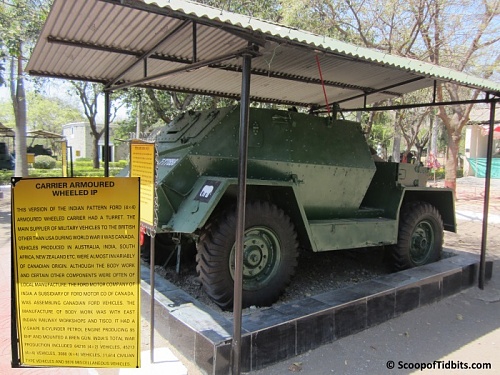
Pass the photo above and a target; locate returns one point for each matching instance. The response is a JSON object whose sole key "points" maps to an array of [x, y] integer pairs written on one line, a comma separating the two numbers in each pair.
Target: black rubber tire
{"points": [[420, 236], [274, 264]]}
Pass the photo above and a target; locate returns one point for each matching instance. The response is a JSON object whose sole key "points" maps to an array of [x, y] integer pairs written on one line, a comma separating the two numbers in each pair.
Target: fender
{"points": [[203, 199], [197, 207], [441, 198]]}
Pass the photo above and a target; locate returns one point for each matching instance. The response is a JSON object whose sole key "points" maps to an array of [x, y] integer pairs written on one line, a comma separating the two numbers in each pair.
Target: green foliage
{"points": [[159, 107], [5, 177], [7, 114], [79, 170], [120, 164], [440, 173], [84, 167], [20, 24], [50, 113], [264, 9], [317, 16], [44, 113], [44, 162], [83, 163], [382, 135]]}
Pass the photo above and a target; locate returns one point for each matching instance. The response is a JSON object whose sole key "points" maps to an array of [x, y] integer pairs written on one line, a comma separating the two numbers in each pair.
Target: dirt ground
{"points": [[469, 206]]}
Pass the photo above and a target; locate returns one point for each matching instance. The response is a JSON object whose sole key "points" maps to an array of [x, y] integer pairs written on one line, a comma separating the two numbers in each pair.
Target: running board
{"points": [[342, 234]]}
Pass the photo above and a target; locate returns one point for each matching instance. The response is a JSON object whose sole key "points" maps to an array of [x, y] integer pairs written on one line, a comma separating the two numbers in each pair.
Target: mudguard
{"points": [[198, 205]]}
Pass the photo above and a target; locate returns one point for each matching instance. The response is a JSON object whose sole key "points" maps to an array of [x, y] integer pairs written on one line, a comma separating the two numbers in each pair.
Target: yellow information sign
{"points": [[76, 255], [143, 165], [30, 158], [64, 158]]}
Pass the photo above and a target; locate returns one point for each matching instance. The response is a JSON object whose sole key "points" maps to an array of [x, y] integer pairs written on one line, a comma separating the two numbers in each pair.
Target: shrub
{"points": [[5, 177], [44, 162], [440, 173]]}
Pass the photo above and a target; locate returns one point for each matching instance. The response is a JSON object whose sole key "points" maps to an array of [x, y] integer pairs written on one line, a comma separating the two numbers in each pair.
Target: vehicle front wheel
{"points": [[420, 236], [270, 251]]}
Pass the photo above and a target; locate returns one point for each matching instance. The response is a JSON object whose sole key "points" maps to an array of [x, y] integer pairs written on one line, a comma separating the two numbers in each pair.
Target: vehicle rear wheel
{"points": [[420, 236], [270, 251]]}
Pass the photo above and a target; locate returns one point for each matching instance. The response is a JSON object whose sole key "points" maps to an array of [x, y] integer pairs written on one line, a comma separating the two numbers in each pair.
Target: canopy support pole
{"points": [[484, 239], [106, 132], [240, 225]]}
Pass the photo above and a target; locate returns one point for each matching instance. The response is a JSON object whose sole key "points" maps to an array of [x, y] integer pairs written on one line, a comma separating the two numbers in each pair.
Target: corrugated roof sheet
{"points": [[101, 40]]}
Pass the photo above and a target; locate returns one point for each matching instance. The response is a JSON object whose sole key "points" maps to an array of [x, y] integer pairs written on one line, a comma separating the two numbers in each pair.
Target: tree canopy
{"points": [[458, 34], [20, 25]]}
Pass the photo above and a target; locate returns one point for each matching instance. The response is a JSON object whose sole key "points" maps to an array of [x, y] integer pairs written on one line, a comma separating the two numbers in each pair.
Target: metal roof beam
{"points": [[145, 55], [193, 66], [383, 89], [296, 78], [65, 76], [257, 72], [418, 105], [195, 42], [183, 90], [229, 96], [52, 39]]}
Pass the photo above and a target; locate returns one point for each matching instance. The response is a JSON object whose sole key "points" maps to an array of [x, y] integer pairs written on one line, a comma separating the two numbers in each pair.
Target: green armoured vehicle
{"points": [[6, 159], [312, 184]]}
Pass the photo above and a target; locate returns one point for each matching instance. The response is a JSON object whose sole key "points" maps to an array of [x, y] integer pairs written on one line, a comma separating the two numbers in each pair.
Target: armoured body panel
{"points": [[311, 184], [328, 161]]}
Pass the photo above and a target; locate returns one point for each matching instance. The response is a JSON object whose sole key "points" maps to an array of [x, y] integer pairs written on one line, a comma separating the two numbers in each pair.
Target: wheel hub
{"points": [[421, 242], [261, 257], [255, 253]]}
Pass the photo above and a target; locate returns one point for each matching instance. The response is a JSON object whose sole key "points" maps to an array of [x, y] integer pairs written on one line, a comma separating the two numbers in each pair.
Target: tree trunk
{"points": [[18, 97], [95, 149], [88, 94], [450, 179], [396, 148], [434, 136]]}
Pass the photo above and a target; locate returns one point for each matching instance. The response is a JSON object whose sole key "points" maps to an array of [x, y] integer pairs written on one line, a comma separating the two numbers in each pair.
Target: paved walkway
{"points": [[461, 330]]}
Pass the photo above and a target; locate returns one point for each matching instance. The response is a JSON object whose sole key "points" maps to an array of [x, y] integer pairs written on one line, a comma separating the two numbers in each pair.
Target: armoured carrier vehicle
{"points": [[312, 186]]}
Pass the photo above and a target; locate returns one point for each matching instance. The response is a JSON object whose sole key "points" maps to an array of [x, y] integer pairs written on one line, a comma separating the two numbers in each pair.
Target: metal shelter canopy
{"points": [[6, 132], [184, 46], [44, 134]]}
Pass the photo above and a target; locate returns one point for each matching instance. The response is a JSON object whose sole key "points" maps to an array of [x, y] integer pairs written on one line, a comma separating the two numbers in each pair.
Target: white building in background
{"points": [[476, 142], [80, 140]]}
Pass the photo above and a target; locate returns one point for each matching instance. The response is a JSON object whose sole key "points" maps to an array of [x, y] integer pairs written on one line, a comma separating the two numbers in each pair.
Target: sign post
{"points": [[143, 165], [64, 158]]}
